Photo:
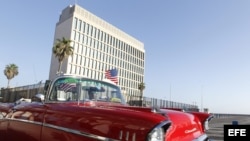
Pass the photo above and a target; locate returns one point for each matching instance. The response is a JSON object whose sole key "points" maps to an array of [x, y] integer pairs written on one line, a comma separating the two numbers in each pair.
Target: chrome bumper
{"points": [[203, 137]]}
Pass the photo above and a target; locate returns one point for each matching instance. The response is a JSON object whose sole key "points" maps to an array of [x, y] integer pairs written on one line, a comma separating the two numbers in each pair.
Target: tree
{"points": [[10, 72], [141, 87], [62, 50]]}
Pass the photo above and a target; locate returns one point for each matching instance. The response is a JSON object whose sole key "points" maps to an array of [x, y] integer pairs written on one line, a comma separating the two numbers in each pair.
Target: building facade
{"points": [[99, 46]]}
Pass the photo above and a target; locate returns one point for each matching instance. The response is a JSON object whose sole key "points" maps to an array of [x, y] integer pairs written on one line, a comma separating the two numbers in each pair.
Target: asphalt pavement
{"points": [[216, 126]]}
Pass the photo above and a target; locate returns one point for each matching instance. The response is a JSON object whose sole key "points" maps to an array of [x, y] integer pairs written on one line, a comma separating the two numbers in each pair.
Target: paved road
{"points": [[216, 131]]}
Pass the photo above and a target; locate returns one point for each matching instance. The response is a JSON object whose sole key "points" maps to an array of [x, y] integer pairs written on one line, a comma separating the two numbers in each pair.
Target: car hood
{"points": [[185, 126]]}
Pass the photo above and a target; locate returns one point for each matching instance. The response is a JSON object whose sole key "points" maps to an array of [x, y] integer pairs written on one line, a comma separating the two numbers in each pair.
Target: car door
{"points": [[4, 110], [25, 122], [62, 123]]}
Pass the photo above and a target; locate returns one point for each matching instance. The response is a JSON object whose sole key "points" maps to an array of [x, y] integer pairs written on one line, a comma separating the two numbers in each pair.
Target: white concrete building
{"points": [[99, 46]]}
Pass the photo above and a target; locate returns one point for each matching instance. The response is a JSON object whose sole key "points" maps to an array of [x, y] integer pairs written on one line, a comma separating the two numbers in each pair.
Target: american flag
{"points": [[112, 75], [67, 86]]}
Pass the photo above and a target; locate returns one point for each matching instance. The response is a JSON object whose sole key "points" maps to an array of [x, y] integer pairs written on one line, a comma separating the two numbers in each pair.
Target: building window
{"points": [[79, 25], [87, 62], [83, 27], [94, 65], [87, 40], [73, 69], [103, 55], [98, 65], [90, 63], [77, 37], [93, 74], [75, 23], [100, 36], [97, 33], [73, 35], [90, 30], [87, 28], [104, 37], [96, 44], [90, 73], [80, 49], [97, 74], [88, 52], [95, 52], [80, 60], [91, 42], [76, 59], [83, 61], [80, 70], [81, 38], [87, 72], [70, 68], [93, 32]]}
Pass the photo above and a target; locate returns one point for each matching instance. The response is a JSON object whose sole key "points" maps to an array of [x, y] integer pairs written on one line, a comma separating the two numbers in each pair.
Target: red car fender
{"points": [[204, 118]]}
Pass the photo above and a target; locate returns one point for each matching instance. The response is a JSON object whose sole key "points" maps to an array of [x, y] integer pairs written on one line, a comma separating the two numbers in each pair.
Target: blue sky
{"points": [[197, 51]]}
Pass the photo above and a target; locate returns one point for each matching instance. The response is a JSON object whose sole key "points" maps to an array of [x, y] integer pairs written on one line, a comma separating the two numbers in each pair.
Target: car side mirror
{"points": [[38, 98]]}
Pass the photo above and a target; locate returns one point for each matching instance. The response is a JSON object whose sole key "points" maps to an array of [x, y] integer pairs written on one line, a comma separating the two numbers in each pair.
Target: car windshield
{"points": [[82, 89]]}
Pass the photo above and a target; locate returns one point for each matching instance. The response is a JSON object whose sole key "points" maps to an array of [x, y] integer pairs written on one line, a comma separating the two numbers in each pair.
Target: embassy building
{"points": [[98, 47]]}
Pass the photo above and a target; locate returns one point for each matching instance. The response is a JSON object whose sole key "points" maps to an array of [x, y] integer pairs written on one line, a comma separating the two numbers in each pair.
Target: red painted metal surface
{"points": [[91, 120], [95, 118]]}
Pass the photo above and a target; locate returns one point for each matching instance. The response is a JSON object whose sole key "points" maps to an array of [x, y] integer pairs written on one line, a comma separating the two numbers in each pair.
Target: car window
{"points": [[72, 89]]}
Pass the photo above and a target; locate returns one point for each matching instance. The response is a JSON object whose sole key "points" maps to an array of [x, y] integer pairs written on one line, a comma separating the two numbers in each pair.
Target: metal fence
{"points": [[149, 102], [13, 94]]}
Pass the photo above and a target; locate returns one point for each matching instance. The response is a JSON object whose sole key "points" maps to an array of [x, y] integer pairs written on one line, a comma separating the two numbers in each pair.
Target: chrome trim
{"points": [[120, 137], [210, 117], [163, 123], [206, 123], [126, 136], [203, 137], [134, 137], [26, 121], [191, 130], [166, 124], [100, 138]]}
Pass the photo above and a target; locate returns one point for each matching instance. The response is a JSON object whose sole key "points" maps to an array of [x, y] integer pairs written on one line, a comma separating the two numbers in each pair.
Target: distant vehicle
{"points": [[81, 109]]}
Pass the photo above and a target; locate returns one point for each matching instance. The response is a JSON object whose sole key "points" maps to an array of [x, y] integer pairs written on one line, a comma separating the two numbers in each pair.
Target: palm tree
{"points": [[141, 87], [62, 50], [10, 72]]}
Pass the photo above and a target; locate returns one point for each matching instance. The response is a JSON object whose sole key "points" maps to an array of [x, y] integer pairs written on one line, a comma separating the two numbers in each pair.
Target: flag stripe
{"points": [[112, 75], [67, 86]]}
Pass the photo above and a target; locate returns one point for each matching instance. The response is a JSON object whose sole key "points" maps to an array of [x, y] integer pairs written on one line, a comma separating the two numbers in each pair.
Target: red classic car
{"points": [[81, 109]]}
